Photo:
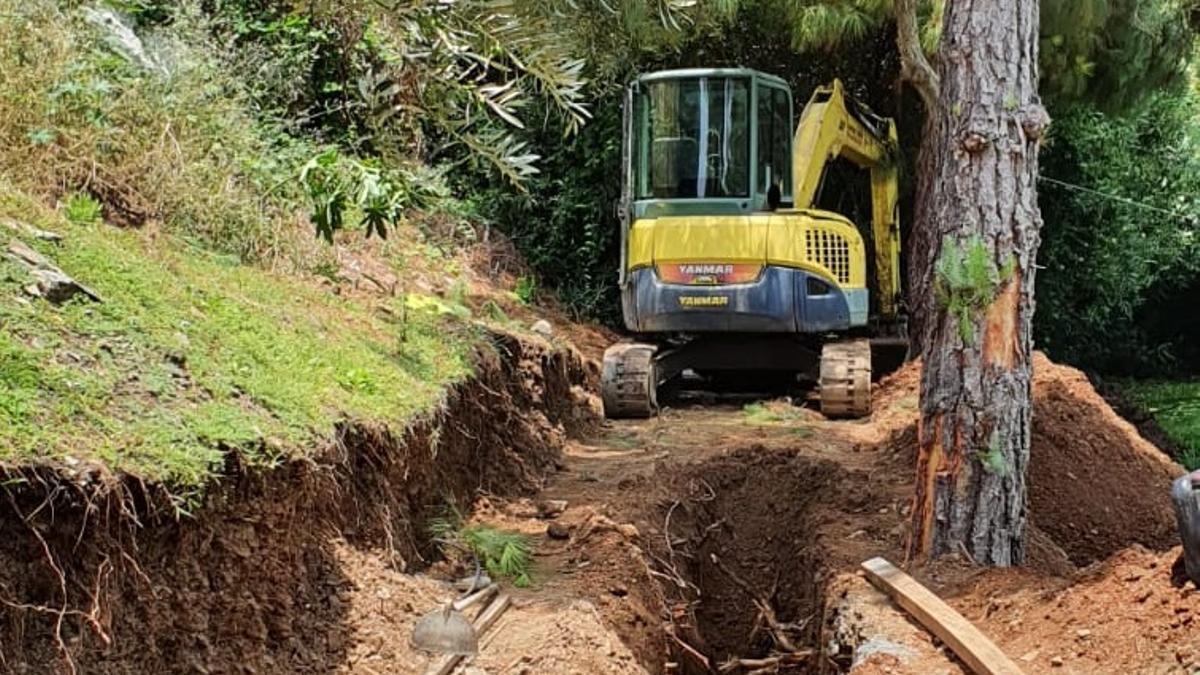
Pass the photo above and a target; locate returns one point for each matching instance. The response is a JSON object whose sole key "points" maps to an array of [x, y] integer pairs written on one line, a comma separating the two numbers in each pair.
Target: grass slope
{"points": [[1176, 407], [192, 352]]}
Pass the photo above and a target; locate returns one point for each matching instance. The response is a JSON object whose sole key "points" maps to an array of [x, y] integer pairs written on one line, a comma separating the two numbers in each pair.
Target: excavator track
{"points": [[846, 378], [629, 381]]}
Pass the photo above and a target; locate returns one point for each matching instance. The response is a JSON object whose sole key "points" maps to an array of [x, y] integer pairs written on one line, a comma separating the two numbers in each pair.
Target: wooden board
{"points": [[969, 644], [447, 664]]}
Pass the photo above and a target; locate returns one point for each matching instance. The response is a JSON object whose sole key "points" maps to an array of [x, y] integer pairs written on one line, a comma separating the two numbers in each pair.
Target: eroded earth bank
{"points": [[719, 537]]}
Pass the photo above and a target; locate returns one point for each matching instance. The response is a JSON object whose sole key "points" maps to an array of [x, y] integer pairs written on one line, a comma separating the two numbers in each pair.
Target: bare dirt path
{"points": [[677, 525]]}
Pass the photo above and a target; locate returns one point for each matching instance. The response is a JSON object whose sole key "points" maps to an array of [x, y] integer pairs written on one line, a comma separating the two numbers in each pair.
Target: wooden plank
{"points": [[975, 649], [482, 594], [447, 664]]}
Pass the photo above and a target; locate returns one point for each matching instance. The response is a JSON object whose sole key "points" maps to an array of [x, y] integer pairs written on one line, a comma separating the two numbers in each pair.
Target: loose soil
{"points": [[690, 542]]}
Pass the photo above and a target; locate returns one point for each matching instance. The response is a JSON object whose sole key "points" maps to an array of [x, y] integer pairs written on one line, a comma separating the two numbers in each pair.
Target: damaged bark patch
{"points": [[1001, 342]]}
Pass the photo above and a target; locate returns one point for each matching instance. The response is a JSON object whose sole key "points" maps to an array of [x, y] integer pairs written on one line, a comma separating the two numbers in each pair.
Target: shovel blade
{"points": [[445, 631]]}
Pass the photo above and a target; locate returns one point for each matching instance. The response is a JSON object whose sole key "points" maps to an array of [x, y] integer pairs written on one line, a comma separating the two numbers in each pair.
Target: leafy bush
{"points": [[565, 222], [155, 130], [1176, 407], [526, 290], [1132, 229]]}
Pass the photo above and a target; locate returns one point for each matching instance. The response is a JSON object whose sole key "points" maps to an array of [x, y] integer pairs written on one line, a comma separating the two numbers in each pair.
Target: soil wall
{"points": [[97, 575]]}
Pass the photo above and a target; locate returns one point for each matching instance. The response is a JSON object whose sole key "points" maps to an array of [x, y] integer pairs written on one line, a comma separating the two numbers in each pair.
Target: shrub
{"points": [[1133, 228], [154, 132]]}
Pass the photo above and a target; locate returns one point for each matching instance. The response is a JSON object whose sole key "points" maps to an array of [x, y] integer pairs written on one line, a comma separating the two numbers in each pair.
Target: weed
{"points": [[771, 413], [495, 312], [993, 459], [504, 554], [83, 209], [526, 290]]}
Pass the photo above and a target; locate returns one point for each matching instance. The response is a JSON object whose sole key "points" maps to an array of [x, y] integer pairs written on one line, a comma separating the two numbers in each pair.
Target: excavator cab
{"points": [[727, 265], [721, 136]]}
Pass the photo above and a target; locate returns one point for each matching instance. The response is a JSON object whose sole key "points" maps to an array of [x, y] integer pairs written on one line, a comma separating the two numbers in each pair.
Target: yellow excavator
{"points": [[739, 255]]}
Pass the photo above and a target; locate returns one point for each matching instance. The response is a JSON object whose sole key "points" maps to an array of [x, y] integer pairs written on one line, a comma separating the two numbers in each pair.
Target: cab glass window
{"points": [[693, 138], [774, 141]]}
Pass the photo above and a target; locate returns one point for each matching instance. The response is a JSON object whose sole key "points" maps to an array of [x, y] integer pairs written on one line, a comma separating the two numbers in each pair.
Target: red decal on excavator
{"points": [[708, 274]]}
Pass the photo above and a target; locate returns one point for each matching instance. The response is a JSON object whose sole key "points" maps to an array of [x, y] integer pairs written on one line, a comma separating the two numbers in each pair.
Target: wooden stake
{"points": [[979, 653]]}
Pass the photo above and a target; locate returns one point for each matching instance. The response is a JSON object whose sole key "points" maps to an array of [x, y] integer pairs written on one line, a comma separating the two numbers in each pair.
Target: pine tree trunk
{"points": [[979, 212]]}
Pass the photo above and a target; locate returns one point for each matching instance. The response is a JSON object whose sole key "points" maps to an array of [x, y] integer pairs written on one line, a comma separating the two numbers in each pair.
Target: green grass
{"points": [[772, 412], [1176, 407], [191, 353]]}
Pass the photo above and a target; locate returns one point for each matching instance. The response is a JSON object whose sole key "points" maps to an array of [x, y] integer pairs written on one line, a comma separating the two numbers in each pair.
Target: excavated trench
{"points": [[741, 561], [728, 567]]}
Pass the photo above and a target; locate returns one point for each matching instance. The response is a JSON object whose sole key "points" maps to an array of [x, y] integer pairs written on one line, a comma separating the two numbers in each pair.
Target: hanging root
{"points": [[783, 634]]}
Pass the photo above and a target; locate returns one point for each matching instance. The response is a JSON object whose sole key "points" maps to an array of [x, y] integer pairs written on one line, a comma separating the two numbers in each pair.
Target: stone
{"points": [[26, 228], [50, 282], [57, 287], [551, 508], [558, 531], [542, 327], [1056, 661]]}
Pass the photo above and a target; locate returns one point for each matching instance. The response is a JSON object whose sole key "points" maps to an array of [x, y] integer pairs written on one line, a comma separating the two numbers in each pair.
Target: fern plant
{"points": [[504, 554], [526, 290], [967, 280]]}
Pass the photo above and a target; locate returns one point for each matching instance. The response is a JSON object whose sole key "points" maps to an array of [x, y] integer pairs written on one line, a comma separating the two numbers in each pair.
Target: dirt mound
{"points": [[1130, 614], [1095, 485], [258, 580]]}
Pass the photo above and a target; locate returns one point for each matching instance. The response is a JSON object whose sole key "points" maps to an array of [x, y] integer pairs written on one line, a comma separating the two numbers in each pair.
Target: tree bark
{"points": [[924, 79], [979, 201]]}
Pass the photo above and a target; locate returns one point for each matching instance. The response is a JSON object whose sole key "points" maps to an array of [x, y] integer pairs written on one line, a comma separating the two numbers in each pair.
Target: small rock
{"points": [[558, 531], [1030, 655], [51, 282], [36, 233], [551, 508], [542, 327], [628, 530], [57, 287], [1083, 633], [1144, 595], [1056, 661]]}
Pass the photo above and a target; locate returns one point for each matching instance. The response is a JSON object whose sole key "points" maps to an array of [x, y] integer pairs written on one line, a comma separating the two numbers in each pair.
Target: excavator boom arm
{"points": [[829, 129]]}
